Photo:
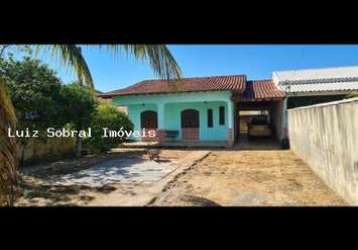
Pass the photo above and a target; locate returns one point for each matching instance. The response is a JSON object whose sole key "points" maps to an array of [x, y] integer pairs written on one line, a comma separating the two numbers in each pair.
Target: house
{"points": [[109, 100], [200, 110], [216, 110]]}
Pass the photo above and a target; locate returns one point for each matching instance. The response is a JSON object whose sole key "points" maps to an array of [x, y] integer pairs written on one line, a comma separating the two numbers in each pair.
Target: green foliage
{"points": [[107, 116], [8, 50], [352, 94], [77, 104], [70, 55], [34, 90]]}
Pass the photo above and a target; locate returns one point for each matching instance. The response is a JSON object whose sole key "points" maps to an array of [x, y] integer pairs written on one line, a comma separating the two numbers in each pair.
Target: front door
{"points": [[190, 124], [148, 120]]}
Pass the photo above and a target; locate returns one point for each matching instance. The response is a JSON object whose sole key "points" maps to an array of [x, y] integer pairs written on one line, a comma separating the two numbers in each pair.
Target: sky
{"points": [[256, 61]]}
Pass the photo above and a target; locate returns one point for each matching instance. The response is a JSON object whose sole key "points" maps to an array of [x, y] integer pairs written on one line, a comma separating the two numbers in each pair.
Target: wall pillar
{"points": [[284, 134], [230, 140], [161, 123], [230, 116], [284, 140]]}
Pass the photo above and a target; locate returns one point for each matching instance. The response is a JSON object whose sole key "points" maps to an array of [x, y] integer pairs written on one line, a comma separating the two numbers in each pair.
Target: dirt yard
{"points": [[180, 178], [124, 178], [249, 178]]}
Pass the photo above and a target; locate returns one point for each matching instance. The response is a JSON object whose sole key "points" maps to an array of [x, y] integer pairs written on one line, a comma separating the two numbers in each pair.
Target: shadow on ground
{"points": [[51, 195], [78, 183], [71, 165], [191, 200]]}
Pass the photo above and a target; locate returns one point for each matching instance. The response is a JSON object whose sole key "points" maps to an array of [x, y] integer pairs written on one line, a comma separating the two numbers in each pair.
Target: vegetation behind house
{"points": [[107, 116], [42, 101]]}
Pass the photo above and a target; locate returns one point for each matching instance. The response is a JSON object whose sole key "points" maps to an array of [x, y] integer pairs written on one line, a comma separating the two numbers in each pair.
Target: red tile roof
{"points": [[261, 90], [233, 82], [247, 90]]}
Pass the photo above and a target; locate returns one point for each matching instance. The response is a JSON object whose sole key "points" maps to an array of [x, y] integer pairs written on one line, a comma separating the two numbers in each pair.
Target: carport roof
{"points": [[261, 90]]}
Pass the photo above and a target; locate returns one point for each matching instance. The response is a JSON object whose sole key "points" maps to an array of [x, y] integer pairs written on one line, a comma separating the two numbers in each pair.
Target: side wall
{"points": [[53, 148], [326, 137]]}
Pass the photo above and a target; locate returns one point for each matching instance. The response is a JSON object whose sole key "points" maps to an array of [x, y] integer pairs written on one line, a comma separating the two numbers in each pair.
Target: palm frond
{"points": [[159, 57], [70, 55], [8, 149]]}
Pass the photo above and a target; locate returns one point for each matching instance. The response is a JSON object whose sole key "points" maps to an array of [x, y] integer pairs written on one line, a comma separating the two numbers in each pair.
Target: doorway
{"points": [[190, 124], [149, 121]]}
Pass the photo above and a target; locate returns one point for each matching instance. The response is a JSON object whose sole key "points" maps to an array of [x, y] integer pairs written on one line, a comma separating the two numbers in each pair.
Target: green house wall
{"points": [[170, 106]]}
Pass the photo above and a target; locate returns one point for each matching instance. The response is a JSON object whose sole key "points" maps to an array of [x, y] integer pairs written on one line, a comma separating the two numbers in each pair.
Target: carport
{"points": [[260, 98]]}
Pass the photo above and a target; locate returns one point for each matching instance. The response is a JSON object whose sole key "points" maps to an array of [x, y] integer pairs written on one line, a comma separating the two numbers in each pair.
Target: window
{"points": [[210, 118], [222, 115]]}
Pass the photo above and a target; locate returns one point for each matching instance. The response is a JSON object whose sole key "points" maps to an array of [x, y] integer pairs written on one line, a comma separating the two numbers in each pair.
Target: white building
{"points": [[311, 86]]}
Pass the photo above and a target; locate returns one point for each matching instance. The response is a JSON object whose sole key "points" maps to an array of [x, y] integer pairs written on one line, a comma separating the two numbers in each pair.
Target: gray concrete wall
{"points": [[326, 137]]}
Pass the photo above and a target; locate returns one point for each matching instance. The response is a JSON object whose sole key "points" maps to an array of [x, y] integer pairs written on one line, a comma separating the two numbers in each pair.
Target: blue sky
{"points": [[256, 61]]}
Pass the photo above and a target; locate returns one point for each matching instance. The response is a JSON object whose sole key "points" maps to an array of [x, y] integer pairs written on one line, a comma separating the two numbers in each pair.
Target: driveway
{"points": [[249, 178]]}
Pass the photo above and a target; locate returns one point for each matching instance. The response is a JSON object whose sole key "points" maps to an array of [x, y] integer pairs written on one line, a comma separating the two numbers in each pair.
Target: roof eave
{"points": [[164, 93]]}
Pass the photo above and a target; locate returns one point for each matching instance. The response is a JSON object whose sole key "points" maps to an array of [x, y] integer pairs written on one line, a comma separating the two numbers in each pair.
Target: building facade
{"points": [[216, 110], [202, 110]]}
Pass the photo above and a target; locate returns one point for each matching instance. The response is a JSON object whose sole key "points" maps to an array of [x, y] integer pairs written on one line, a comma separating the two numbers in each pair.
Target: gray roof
{"points": [[318, 80]]}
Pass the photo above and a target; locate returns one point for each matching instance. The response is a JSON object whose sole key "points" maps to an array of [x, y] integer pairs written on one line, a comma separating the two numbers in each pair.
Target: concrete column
{"points": [[161, 123], [161, 115], [230, 116], [284, 120]]}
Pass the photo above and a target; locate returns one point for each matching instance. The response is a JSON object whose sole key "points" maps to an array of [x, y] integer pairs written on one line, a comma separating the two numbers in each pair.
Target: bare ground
{"points": [[265, 177], [126, 178], [248, 178]]}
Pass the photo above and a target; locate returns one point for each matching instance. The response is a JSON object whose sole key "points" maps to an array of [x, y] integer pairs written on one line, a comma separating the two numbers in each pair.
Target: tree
{"points": [[34, 90], [8, 148], [78, 106], [158, 56], [107, 116]]}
